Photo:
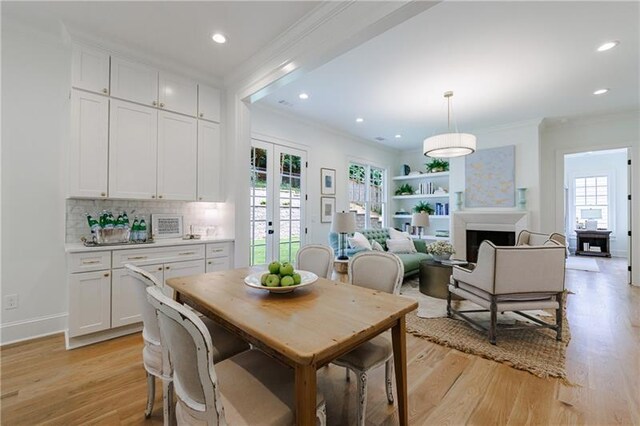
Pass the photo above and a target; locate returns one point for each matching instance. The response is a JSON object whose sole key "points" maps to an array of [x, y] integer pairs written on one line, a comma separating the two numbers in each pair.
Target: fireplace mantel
{"points": [[508, 221]]}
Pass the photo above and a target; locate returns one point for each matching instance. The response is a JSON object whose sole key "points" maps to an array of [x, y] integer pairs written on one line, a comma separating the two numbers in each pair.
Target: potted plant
{"points": [[405, 189], [423, 206], [437, 165], [440, 250]]}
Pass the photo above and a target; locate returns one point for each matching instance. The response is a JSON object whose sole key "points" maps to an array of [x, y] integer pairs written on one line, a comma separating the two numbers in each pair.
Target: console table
{"points": [[595, 238]]}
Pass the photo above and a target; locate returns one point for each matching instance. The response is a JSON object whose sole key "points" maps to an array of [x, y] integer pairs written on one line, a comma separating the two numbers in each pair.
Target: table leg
{"points": [[305, 395], [398, 335]]}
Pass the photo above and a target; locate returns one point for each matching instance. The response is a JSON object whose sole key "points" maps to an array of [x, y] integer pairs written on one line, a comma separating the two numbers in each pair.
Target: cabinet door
{"points": [[89, 302], [125, 306], [218, 264], [208, 103], [133, 142], [177, 156], [134, 82], [209, 162], [181, 269], [178, 94], [90, 69], [89, 145]]}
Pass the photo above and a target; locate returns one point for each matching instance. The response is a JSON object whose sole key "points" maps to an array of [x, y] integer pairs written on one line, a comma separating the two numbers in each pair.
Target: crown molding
{"points": [[580, 120]]}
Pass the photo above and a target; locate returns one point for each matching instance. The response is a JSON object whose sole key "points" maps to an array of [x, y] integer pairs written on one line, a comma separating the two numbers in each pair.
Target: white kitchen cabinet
{"points": [[88, 145], [125, 308], [89, 302], [219, 264], [181, 269], [178, 94], [90, 68], [177, 156], [133, 146], [208, 103], [209, 162], [134, 81]]}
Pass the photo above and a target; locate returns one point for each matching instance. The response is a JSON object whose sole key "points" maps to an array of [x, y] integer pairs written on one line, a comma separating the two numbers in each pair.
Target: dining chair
{"points": [[377, 271], [316, 258], [228, 344], [249, 388]]}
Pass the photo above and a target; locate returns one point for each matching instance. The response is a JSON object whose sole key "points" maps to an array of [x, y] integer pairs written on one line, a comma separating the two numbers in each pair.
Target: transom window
{"points": [[367, 185], [592, 194]]}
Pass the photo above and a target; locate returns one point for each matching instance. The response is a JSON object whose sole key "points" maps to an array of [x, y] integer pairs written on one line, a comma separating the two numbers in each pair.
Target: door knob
{"points": [[270, 231]]}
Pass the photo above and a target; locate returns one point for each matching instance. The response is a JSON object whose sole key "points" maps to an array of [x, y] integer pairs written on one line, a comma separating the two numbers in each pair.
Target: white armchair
{"points": [[512, 279]]}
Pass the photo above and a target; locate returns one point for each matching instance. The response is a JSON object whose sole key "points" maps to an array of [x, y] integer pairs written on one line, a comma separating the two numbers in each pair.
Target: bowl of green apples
{"points": [[280, 278]]}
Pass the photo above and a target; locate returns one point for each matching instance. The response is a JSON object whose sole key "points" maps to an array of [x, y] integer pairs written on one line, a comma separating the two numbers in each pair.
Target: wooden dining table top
{"points": [[310, 326]]}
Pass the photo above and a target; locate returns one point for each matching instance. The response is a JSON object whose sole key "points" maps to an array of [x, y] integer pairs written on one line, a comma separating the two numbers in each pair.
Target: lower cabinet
{"points": [[89, 302], [221, 264], [124, 302]]}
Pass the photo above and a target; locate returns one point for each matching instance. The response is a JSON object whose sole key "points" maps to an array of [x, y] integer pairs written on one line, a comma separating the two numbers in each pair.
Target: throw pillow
{"points": [[394, 234], [401, 246], [376, 246], [359, 241]]}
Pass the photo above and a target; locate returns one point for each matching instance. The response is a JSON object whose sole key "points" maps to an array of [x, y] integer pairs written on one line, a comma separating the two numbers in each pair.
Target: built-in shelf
{"points": [[419, 196], [431, 216], [422, 176]]}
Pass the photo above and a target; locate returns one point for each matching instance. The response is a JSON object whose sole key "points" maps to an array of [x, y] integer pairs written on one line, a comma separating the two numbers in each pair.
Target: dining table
{"points": [[306, 328]]}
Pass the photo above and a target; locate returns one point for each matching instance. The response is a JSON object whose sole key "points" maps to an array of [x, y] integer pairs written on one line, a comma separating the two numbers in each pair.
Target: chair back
{"points": [[143, 279], [316, 258], [377, 270], [538, 239], [190, 349]]}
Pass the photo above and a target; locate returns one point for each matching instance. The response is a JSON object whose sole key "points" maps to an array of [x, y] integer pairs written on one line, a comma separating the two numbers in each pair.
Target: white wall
{"points": [[612, 164], [608, 131], [326, 148], [35, 116]]}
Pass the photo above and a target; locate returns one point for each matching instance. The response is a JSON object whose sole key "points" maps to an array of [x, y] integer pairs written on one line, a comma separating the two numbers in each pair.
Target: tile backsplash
{"points": [[202, 216]]}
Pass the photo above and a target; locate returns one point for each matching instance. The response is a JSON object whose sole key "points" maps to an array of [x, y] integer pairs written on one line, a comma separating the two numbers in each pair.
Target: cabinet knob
{"points": [[159, 196], [209, 262], [103, 194], [201, 115], [161, 105], [105, 90], [106, 274], [154, 103], [153, 196], [199, 198], [160, 268], [167, 268]]}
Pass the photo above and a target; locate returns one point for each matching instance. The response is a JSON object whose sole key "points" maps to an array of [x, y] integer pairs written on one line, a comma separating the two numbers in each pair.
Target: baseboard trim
{"points": [[112, 333], [33, 328]]}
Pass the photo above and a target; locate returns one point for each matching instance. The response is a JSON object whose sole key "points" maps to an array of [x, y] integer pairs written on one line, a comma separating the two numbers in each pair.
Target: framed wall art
{"points": [[327, 209], [327, 182]]}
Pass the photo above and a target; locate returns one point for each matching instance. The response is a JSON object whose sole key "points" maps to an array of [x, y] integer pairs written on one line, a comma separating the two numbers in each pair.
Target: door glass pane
{"points": [[289, 206], [258, 206]]}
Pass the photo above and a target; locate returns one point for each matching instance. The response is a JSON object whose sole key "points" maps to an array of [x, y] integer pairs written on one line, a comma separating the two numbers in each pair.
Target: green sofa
{"points": [[411, 261]]}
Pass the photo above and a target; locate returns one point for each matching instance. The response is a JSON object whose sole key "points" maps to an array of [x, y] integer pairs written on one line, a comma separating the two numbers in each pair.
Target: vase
{"points": [[522, 198], [441, 257], [458, 200]]}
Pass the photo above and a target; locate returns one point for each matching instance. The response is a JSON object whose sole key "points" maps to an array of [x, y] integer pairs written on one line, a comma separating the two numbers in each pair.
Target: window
{"points": [[593, 193], [367, 186]]}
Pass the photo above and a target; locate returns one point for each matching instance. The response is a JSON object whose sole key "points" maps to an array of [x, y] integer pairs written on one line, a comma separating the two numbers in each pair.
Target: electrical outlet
{"points": [[10, 301]]}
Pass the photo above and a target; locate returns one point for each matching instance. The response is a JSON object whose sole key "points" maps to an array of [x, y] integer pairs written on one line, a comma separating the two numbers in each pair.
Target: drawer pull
{"points": [[217, 250], [187, 253], [136, 257], [106, 274], [209, 263], [90, 262]]}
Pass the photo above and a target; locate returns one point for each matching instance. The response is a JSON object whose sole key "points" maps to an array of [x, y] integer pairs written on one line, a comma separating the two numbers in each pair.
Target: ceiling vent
{"points": [[285, 103], [380, 139]]}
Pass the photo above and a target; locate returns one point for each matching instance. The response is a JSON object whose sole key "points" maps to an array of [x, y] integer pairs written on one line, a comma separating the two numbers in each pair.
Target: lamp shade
{"points": [[344, 222], [448, 145], [420, 219], [591, 213]]}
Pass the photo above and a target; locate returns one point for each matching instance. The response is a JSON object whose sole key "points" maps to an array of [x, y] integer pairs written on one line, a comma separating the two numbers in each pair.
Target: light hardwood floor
{"points": [[104, 383]]}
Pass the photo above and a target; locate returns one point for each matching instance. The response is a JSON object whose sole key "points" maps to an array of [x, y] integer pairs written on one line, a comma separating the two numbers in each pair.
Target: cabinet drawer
{"points": [[218, 264], [89, 261], [218, 250], [149, 256]]}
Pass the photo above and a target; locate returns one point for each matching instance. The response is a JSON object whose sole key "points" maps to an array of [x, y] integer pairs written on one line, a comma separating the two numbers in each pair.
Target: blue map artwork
{"points": [[490, 178]]}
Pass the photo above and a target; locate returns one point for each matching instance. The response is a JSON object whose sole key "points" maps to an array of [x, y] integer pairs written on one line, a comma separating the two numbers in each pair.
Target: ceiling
{"points": [[505, 61], [177, 30]]}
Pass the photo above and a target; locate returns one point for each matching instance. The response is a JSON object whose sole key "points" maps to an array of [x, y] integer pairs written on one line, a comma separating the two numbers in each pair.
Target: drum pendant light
{"points": [[451, 144]]}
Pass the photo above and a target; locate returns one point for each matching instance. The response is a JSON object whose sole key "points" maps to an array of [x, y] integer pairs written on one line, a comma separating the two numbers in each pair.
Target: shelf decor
{"points": [[327, 181], [437, 165]]}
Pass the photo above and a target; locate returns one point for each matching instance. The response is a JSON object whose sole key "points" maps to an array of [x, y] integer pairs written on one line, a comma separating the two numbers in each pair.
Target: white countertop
{"points": [[79, 247]]}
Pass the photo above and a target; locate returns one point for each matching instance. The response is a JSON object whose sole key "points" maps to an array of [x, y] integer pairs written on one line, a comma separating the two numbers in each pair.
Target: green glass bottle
{"points": [[134, 229], [142, 231], [93, 224]]}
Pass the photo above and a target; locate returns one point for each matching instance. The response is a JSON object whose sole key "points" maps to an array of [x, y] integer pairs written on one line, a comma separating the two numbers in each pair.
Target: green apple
{"points": [[286, 269], [297, 279], [287, 281], [263, 279], [272, 280], [274, 267]]}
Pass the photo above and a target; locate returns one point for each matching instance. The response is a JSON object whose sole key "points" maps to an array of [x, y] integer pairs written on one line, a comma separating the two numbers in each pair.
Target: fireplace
{"points": [[475, 238]]}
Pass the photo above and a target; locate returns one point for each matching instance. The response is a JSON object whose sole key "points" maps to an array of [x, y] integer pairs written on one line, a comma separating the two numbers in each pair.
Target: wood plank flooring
{"points": [[42, 383]]}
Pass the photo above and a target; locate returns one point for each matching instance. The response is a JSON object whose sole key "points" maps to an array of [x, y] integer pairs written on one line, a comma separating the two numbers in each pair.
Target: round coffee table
{"points": [[434, 279]]}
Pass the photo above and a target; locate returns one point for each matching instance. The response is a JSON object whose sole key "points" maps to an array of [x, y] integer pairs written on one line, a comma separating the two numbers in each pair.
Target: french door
{"points": [[277, 202]]}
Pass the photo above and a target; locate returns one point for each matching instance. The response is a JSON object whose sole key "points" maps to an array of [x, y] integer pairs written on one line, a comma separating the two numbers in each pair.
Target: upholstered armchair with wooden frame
{"points": [[537, 239], [514, 279]]}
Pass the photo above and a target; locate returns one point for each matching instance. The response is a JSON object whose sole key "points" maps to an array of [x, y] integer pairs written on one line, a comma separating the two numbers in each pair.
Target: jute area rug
{"points": [[536, 351]]}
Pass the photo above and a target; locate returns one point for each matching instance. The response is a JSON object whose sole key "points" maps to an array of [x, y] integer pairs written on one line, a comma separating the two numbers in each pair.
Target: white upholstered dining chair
{"points": [[249, 388], [316, 258], [377, 271], [228, 344]]}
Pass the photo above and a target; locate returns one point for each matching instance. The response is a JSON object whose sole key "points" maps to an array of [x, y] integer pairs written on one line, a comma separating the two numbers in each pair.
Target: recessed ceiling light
{"points": [[303, 96], [398, 136], [219, 38], [600, 91], [359, 120], [608, 45]]}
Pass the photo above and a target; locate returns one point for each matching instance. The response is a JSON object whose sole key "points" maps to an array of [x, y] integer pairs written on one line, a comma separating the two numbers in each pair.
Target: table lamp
{"points": [[591, 216], [421, 220], [343, 223]]}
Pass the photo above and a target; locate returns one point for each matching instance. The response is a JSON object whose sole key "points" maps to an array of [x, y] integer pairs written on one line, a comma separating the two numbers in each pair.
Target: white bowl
{"points": [[307, 278]]}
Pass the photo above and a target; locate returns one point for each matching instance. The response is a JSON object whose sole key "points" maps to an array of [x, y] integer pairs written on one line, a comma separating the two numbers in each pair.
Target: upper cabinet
{"points": [[178, 94], [208, 103], [90, 69], [209, 162], [134, 81], [177, 156]]}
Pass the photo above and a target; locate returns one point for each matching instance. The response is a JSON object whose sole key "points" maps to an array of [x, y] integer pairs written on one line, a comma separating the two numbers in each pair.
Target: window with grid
{"points": [[367, 185], [593, 193]]}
